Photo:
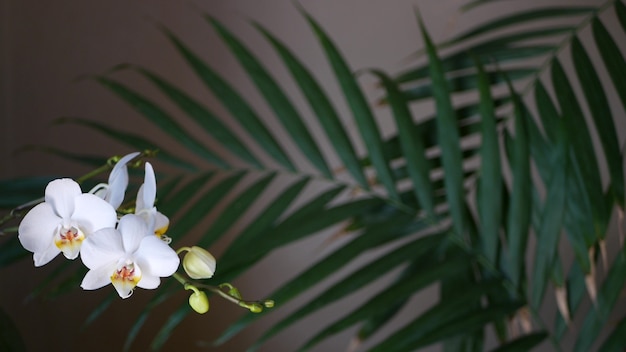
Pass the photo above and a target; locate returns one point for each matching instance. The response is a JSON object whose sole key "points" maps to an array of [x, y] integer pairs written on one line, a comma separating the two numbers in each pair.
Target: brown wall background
{"points": [[47, 45]]}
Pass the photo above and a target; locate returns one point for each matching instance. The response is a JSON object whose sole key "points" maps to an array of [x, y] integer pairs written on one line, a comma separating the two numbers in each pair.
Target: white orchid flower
{"points": [[113, 192], [63, 221], [156, 221], [126, 257]]}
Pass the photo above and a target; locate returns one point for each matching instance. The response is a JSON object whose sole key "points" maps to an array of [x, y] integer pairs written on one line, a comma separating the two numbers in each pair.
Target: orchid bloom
{"points": [[126, 257], [156, 221], [63, 221], [113, 192]]}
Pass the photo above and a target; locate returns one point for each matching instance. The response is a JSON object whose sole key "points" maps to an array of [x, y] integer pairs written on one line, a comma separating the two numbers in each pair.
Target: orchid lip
{"points": [[69, 240], [126, 277]]}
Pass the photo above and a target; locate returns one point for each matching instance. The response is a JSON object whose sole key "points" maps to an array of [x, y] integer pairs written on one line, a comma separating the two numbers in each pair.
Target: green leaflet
{"points": [[419, 248], [617, 340], [361, 111], [237, 106], [448, 136], [322, 107], [264, 220], [583, 148], [490, 182], [392, 227], [523, 344], [611, 55], [413, 149], [446, 319], [10, 337], [159, 117], [422, 278], [518, 221], [233, 211], [521, 17], [276, 99], [133, 140], [601, 114], [608, 295], [467, 82], [550, 223], [203, 117]]}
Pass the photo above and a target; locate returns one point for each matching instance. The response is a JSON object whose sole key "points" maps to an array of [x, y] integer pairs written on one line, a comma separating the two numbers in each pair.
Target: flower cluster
{"points": [[120, 245], [125, 252]]}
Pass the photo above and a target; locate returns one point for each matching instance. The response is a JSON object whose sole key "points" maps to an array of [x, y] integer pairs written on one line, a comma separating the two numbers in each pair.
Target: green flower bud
{"points": [[199, 302], [198, 263]]}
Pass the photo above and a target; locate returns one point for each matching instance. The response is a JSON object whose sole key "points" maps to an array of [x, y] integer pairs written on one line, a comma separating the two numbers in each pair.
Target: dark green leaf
{"points": [[463, 59], [448, 136], [356, 280], [308, 219], [468, 82], [490, 182], [135, 141], [102, 307], [612, 56], [263, 221], [616, 342], [378, 303], [324, 111], [162, 119], [392, 228], [166, 291], [89, 160], [620, 10], [233, 211], [608, 295], [549, 231], [237, 106], [551, 13], [206, 203], [437, 318], [181, 198], [523, 344], [360, 109], [518, 221], [276, 99], [19, 191], [583, 148], [11, 251], [172, 322], [10, 337], [412, 146], [203, 117]]}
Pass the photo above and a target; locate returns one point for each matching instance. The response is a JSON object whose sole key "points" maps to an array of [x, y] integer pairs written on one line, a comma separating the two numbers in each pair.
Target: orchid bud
{"points": [[199, 302], [198, 263]]}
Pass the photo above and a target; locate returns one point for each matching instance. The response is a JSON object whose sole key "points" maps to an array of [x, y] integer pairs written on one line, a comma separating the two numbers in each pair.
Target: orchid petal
{"points": [[43, 257], [38, 227], [156, 257], [149, 281], [149, 217], [98, 277], [60, 195], [148, 195], [133, 230], [93, 213], [161, 223], [102, 248], [118, 181]]}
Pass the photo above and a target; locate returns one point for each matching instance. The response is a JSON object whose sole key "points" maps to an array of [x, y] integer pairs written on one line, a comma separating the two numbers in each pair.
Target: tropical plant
{"points": [[473, 198]]}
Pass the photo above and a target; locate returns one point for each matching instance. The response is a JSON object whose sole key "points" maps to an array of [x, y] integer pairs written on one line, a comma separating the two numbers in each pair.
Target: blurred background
{"points": [[49, 50]]}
